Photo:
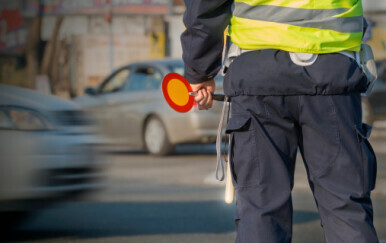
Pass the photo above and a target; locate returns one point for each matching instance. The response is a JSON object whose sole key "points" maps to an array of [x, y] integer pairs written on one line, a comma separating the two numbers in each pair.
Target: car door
{"points": [[107, 108], [142, 97]]}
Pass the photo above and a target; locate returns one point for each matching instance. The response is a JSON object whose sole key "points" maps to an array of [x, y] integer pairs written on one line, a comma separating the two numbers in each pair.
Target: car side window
{"points": [[146, 78], [116, 81]]}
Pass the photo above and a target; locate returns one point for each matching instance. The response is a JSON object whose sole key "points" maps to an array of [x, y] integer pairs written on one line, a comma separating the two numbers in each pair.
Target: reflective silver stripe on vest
{"points": [[313, 18]]}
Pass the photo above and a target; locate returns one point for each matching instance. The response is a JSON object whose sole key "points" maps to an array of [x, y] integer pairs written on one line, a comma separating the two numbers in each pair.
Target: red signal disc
{"points": [[180, 108]]}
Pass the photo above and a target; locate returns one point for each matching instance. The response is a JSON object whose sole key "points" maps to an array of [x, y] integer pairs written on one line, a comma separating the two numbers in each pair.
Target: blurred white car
{"points": [[47, 151], [131, 109]]}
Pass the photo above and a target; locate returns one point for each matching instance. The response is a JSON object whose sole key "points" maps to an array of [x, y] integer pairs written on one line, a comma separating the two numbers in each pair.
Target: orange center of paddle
{"points": [[178, 92]]}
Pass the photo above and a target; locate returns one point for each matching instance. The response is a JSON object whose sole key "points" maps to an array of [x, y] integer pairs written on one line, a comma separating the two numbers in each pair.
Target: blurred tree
{"points": [[49, 50], [32, 49], [36, 65]]}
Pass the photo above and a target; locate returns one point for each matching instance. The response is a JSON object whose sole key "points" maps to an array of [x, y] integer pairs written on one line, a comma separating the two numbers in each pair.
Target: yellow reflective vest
{"points": [[312, 26]]}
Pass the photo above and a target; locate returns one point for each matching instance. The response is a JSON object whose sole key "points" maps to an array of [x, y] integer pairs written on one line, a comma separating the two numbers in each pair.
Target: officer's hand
{"points": [[204, 90]]}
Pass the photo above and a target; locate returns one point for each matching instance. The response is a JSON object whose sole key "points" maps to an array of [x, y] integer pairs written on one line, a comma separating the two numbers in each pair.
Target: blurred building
{"points": [[94, 36]]}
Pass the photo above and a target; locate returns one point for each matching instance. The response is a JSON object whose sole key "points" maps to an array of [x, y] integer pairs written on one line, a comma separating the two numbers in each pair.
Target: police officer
{"points": [[295, 83]]}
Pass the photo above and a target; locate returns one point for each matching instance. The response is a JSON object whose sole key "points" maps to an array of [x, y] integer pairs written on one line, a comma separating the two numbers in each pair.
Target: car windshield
{"points": [[178, 68]]}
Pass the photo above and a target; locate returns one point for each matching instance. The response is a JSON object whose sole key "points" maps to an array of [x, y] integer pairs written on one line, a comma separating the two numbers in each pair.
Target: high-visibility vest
{"points": [[312, 26]]}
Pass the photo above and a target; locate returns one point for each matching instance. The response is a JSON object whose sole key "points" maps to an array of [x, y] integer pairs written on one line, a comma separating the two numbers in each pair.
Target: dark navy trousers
{"points": [[266, 132]]}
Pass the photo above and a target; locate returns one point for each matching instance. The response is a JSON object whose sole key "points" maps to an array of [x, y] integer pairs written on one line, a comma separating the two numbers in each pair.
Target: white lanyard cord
{"points": [[220, 161]]}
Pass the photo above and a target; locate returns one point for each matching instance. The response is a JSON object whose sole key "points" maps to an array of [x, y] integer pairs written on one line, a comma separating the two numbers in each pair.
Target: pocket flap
{"points": [[363, 130], [238, 123]]}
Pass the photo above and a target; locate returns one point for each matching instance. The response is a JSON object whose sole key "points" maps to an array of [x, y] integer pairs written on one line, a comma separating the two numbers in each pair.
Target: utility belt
{"points": [[364, 58]]}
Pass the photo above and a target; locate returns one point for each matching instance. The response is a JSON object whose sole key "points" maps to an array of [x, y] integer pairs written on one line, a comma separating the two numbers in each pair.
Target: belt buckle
{"points": [[302, 58]]}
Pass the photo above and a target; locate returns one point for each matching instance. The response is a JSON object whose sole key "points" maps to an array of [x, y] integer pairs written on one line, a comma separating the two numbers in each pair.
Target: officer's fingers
{"points": [[206, 103], [203, 101], [202, 93], [210, 100], [198, 97]]}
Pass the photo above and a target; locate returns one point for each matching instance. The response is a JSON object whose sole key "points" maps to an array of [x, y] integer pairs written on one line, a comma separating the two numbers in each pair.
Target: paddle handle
{"points": [[218, 97], [229, 189]]}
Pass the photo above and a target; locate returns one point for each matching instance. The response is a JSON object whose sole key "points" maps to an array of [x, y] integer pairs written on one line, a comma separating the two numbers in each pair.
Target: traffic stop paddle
{"points": [[180, 96]]}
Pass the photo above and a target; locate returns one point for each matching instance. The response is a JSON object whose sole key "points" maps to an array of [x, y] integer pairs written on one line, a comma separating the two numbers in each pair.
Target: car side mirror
{"points": [[90, 91]]}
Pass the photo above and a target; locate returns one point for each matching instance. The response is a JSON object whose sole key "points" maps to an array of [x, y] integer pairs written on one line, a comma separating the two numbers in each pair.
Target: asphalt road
{"points": [[173, 199]]}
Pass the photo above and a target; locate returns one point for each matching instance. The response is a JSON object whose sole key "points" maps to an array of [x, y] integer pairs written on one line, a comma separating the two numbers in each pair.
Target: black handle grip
{"points": [[220, 97]]}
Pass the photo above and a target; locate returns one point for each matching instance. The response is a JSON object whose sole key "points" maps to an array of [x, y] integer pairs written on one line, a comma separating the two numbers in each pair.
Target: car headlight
{"points": [[16, 118]]}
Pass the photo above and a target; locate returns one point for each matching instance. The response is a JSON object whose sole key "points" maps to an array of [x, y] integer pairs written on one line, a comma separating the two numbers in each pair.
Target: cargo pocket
{"points": [[242, 151], [369, 160]]}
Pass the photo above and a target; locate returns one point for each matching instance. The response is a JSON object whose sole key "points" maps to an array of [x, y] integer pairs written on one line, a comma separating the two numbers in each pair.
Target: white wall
{"points": [[374, 5], [76, 25], [72, 25], [176, 27]]}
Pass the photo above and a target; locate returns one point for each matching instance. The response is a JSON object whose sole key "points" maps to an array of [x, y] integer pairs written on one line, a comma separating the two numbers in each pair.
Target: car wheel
{"points": [[367, 112], [156, 139]]}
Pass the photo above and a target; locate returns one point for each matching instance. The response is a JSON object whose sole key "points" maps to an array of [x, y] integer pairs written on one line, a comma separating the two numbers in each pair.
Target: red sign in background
{"points": [[12, 31]]}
